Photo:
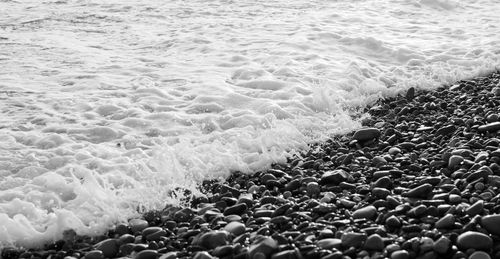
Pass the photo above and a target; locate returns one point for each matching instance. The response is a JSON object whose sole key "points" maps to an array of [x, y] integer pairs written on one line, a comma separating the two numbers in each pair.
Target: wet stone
{"points": [[479, 255], [366, 134], [329, 243], [137, 225], [490, 127], [353, 239], [368, 212], [235, 228], [491, 223], [95, 254], [448, 221], [237, 209], [262, 248], [401, 254], [109, 247], [421, 191], [147, 254], [334, 177], [474, 240], [374, 242], [442, 245]]}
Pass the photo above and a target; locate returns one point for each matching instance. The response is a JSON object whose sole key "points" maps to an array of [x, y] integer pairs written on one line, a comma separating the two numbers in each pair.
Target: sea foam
{"points": [[112, 108]]}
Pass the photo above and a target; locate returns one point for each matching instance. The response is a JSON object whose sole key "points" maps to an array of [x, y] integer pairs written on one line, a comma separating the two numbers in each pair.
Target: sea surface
{"points": [[108, 107]]}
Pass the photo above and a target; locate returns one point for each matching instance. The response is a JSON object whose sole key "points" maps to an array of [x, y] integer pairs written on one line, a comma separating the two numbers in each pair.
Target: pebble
{"points": [[235, 228], [421, 191], [448, 221], [393, 222], [374, 242], [263, 248], [401, 254], [237, 209], [334, 177], [202, 255], [313, 189], [479, 255], [287, 254], [109, 247], [212, 239], [353, 239], [329, 243], [366, 134], [147, 254], [442, 245], [476, 208], [455, 161], [394, 151], [474, 240], [95, 254], [491, 223], [137, 225], [490, 127], [368, 212]]}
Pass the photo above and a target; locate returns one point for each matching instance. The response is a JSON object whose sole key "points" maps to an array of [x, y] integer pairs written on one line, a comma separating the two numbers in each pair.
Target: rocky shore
{"points": [[420, 180]]}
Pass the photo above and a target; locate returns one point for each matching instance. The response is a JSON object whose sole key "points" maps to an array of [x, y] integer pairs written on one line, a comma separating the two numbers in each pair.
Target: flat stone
{"points": [[109, 247], [366, 134], [368, 212], [474, 240], [490, 127], [374, 242], [235, 228], [353, 239], [421, 191], [329, 243], [491, 223]]}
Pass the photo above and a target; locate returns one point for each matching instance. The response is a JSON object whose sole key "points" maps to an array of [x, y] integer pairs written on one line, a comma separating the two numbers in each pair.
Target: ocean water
{"points": [[106, 107]]}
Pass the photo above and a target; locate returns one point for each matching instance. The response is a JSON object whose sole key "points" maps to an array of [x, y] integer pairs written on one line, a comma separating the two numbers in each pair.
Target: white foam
{"points": [[109, 109]]}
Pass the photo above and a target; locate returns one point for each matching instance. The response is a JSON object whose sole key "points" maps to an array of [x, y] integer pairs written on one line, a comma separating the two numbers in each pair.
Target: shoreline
{"points": [[420, 180]]}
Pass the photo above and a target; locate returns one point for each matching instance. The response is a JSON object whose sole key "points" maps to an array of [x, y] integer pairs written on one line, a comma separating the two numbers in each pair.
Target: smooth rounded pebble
{"points": [[137, 225], [474, 240], [401, 254], [479, 255], [235, 228], [491, 223], [374, 242], [147, 254], [366, 134], [367, 212], [109, 247]]}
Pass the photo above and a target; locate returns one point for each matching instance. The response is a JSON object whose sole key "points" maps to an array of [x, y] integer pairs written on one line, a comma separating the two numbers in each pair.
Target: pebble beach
{"points": [[420, 179]]}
